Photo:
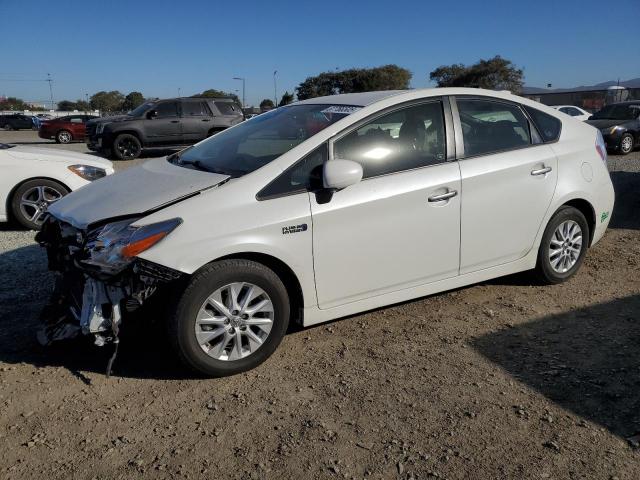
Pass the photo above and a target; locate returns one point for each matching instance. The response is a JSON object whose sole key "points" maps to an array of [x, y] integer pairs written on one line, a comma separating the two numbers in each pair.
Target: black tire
{"points": [[544, 269], [626, 144], [7, 127], [25, 215], [126, 147], [64, 136], [182, 321]]}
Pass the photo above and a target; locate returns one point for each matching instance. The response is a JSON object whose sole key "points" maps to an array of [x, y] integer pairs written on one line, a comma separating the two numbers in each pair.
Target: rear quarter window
{"points": [[549, 127], [228, 108]]}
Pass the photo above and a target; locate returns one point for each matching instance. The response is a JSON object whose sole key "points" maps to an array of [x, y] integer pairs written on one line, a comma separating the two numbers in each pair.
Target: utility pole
{"points": [[243, 89], [86, 99], [178, 92], [50, 80], [275, 89]]}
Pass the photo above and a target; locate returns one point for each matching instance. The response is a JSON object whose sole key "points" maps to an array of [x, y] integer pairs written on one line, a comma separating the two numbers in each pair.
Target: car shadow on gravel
{"points": [[585, 360]]}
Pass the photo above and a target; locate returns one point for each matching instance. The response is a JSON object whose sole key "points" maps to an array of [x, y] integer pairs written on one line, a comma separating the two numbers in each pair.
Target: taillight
{"points": [[601, 147]]}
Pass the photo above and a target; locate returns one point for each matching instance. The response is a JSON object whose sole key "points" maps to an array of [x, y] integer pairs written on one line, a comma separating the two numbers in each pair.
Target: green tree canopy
{"points": [[213, 93], [13, 103], [286, 99], [82, 106], [66, 106], [107, 101], [132, 100], [387, 77], [266, 104], [497, 73]]}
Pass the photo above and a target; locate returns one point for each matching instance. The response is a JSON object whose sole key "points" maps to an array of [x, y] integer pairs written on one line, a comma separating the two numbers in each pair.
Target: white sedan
{"points": [[33, 178], [573, 111], [326, 208]]}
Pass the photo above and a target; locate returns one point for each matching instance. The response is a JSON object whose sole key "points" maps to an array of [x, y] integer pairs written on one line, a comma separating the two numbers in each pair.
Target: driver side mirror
{"points": [[151, 114], [339, 174]]}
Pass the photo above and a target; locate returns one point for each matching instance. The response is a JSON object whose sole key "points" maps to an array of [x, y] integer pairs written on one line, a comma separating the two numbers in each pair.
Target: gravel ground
{"points": [[504, 379]]}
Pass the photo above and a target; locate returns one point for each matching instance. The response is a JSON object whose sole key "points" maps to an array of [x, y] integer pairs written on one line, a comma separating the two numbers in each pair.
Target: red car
{"points": [[65, 129]]}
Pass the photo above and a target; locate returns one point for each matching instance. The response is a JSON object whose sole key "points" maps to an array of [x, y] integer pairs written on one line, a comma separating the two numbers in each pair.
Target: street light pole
{"points": [[50, 90], [86, 100], [275, 89], [243, 89]]}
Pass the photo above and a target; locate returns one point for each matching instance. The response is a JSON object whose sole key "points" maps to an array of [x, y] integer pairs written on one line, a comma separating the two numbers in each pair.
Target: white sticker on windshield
{"points": [[343, 109]]}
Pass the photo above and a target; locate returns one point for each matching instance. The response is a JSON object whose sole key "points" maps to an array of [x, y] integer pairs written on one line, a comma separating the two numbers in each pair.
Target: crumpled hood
{"points": [[133, 191]]}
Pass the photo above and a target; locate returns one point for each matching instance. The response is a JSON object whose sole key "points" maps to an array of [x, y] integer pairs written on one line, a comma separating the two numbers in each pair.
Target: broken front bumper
{"points": [[87, 300]]}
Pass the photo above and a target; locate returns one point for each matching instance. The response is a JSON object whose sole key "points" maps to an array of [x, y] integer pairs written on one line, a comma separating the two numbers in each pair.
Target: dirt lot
{"points": [[500, 380]]}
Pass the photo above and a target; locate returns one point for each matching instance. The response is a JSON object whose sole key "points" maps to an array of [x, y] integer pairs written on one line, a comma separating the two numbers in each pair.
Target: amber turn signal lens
{"points": [[135, 248]]}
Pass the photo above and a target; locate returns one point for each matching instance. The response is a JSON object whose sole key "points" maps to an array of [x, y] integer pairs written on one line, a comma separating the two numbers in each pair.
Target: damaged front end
{"points": [[100, 277]]}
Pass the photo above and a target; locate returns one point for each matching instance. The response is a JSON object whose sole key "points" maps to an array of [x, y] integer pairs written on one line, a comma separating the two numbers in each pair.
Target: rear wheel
{"points": [[626, 144], [7, 127], [230, 318], [564, 245], [126, 147], [31, 200], [64, 136]]}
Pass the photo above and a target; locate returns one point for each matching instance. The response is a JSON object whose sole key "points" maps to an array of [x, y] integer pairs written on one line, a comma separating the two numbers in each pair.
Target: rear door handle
{"points": [[443, 196], [175, 121], [206, 119], [541, 171]]}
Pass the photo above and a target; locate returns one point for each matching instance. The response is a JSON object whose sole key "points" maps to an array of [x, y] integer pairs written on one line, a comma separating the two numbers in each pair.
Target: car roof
{"points": [[364, 99]]}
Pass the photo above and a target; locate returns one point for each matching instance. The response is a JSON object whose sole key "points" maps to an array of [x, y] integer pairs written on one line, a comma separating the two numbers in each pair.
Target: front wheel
{"points": [[7, 127], [563, 247], [31, 200], [230, 318], [126, 147], [626, 144]]}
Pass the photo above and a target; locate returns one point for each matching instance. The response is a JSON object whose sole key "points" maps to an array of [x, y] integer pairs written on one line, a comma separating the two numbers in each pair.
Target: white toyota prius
{"points": [[326, 208]]}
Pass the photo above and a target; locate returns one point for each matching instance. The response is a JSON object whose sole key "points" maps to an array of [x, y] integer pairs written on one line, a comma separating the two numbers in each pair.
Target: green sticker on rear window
{"points": [[604, 216]]}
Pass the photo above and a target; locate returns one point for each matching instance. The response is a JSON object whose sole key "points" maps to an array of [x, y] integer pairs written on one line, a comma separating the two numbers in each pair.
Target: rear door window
{"points": [[194, 108], [489, 126]]}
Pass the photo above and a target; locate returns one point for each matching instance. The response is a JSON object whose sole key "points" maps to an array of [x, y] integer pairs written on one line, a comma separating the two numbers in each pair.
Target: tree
{"points": [[266, 104], [107, 101], [13, 103], [286, 99], [132, 100], [387, 77], [213, 93], [497, 73], [82, 106], [66, 106]]}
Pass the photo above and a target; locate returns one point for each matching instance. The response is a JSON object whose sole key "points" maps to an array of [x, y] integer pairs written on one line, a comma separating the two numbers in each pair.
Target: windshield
{"points": [[617, 112], [258, 141], [138, 111]]}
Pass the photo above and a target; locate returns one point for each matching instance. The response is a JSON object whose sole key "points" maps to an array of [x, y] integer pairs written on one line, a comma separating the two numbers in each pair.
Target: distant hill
{"points": [[633, 83]]}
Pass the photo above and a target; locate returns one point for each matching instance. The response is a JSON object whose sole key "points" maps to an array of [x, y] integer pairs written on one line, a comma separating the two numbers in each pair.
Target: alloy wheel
{"points": [[627, 144], [64, 137], [35, 201], [565, 246], [234, 321], [128, 148]]}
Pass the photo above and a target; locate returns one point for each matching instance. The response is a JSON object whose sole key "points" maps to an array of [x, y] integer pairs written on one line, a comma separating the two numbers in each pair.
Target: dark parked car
{"points": [[173, 122], [65, 129], [16, 121], [619, 124]]}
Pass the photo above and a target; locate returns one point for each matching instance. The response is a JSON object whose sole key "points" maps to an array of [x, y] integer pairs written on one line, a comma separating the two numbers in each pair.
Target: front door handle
{"points": [[206, 119], [443, 196], [175, 121], [541, 171]]}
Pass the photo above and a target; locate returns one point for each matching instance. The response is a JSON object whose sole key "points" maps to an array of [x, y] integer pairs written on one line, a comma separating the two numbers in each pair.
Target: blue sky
{"points": [[159, 46]]}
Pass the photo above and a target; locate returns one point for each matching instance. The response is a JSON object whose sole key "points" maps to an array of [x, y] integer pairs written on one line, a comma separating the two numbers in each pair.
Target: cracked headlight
{"points": [[88, 172], [117, 244]]}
